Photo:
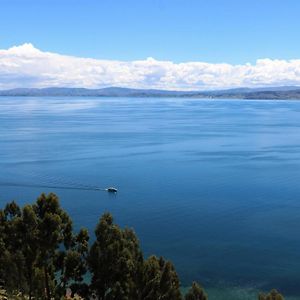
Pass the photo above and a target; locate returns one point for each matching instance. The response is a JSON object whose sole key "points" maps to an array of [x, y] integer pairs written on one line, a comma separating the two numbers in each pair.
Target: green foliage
{"points": [[37, 244], [28, 229], [41, 256], [11, 256], [54, 230], [196, 292], [115, 261], [160, 280], [273, 295], [73, 263]]}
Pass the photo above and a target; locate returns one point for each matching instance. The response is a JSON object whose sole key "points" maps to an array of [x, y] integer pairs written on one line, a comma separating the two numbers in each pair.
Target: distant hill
{"points": [[284, 92]]}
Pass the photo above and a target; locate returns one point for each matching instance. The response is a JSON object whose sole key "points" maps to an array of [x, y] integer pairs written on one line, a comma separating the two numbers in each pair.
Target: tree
{"points": [[4, 254], [28, 228], [196, 292], [151, 279], [115, 261], [273, 295], [11, 258], [40, 257], [36, 244], [74, 264], [160, 280], [54, 231]]}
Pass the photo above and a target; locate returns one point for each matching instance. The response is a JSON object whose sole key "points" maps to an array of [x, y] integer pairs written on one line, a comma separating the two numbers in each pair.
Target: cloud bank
{"points": [[27, 66]]}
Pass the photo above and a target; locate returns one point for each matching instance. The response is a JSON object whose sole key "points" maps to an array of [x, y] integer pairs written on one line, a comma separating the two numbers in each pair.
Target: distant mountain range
{"points": [[276, 93]]}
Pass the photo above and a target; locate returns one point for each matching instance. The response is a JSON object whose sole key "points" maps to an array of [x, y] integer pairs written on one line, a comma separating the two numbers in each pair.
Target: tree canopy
{"points": [[41, 257]]}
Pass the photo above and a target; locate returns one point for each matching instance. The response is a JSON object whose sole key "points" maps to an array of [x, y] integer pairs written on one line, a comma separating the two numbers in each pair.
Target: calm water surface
{"points": [[211, 185]]}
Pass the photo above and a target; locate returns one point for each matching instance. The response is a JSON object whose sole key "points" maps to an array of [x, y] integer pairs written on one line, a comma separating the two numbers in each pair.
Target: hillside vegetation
{"points": [[41, 257]]}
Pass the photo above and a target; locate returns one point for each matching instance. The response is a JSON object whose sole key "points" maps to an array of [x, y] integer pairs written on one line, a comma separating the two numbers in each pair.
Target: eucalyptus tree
{"points": [[27, 227], [115, 261], [273, 295], [54, 232], [73, 264], [160, 280], [196, 292], [11, 258]]}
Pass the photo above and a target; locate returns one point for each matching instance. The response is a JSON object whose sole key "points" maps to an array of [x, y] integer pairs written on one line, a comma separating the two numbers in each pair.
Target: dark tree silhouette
{"points": [[115, 261], [41, 256], [273, 295], [196, 292]]}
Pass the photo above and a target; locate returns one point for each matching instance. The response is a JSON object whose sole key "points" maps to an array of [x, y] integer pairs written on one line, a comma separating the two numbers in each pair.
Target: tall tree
{"points": [[115, 261], [12, 257], [54, 231], [160, 280], [196, 292], [273, 295], [4, 254], [28, 229], [73, 264]]}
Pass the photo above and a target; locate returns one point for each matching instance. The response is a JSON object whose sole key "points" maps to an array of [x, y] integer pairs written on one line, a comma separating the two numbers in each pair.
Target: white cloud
{"points": [[26, 66]]}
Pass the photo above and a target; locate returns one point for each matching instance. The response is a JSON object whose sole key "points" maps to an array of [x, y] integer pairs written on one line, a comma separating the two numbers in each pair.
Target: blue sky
{"points": [[161, 44], [213, 31]]}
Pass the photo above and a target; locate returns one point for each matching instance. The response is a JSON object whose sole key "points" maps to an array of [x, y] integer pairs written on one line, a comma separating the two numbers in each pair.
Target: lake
{"points": [[212, 185]]}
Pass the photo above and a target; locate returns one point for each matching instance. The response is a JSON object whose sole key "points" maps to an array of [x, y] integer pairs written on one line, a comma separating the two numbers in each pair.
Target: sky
{"points": [[168, 44]]}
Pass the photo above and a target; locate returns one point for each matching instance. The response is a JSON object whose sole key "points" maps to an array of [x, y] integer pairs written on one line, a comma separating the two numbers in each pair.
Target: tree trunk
{"points": [[29, 274], [30, 285], [48, 296]]}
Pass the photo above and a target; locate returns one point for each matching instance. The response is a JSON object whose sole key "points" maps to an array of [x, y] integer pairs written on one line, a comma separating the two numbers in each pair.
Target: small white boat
{"points": [[112, 190]]}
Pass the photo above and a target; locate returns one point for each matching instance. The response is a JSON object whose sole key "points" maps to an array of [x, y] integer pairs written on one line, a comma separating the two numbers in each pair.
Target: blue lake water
{"points": [[211, 185]]}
